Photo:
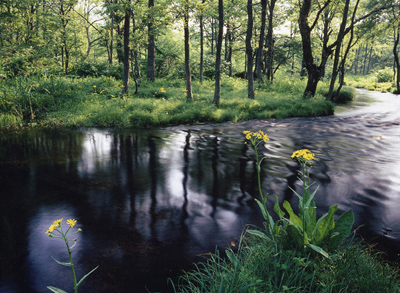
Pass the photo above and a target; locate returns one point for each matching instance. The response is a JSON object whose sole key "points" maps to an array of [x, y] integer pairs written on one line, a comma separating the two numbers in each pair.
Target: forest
{"points": [[133, 63]]}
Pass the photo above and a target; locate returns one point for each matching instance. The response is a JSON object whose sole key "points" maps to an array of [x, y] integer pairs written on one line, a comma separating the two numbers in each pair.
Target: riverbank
{"points": [[260, 265], [97, 102]]}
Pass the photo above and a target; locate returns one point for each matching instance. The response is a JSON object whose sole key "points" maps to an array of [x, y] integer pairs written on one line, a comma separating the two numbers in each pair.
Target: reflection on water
{"points": [[150, 202]]}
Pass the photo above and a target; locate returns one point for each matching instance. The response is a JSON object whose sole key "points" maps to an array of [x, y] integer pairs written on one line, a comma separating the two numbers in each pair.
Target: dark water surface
{"points": [[150, 202]]}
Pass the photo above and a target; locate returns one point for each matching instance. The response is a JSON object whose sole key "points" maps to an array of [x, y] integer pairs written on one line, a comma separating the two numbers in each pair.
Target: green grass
{"points": [[90, 101], [372, 82], [261, 266]]}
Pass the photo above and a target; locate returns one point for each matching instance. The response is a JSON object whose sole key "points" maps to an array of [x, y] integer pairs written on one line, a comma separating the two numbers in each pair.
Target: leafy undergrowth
{"points": [[260, 265], [66, 101]]}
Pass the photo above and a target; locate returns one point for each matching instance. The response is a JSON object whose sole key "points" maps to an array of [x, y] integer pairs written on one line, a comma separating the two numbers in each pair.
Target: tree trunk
{"points": [[217, 91], [249, 50], [259, 58], [370, 57], [341, 69], [356, 60], [125, 82], [314, 72], [189, 95], [337, 50], [396, 60], [120, 53], [151, 61], [201, 45], [270, 43]]}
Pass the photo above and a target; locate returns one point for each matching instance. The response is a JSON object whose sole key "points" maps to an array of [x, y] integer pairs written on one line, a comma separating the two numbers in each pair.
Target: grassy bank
{"points": [[259, 265], [90, 101], [381, 81]]}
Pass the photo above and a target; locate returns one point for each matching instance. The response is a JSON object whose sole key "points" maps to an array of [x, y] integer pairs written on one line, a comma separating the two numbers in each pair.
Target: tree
{"points": [[259, 56], [125, 89], [270, 42], [249, 50], [189, 94], [217, 91], [151, 51]]}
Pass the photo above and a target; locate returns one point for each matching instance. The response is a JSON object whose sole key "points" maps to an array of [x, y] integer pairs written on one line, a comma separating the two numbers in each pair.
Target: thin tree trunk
{"points": [[396, 60], [270, 43], [337, 50], [125, 82], [217, 91], [260, 50], [189, 94], [356, 60], [151, 61], [201, 45], [249, 50], [370, 57]]}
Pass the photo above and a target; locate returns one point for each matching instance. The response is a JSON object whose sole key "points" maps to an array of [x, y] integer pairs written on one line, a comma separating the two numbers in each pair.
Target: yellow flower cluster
{"points": [[304, 154], [71, 222], [162, 90], [257, 135], [56, 223]]}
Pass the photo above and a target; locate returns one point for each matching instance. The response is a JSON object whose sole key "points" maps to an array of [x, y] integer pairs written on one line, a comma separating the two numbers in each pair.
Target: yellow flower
{"points": [[58, 222], [51, 229], [71, 222], [303, 155], [162, 90], [256, 136], [94, 86]]}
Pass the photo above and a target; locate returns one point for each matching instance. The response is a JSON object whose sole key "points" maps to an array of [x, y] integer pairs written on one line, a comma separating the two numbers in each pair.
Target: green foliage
{"points": [[385, 75], [75, 101], [261, 266]]}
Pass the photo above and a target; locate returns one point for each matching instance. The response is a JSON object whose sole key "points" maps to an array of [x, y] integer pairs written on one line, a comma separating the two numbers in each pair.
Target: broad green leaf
{"points": [[259, 234], [67, 264], [324, 225], [292, 216], [277, 209], [319, 250], [56, 290], [295, 235], [342, 228], [85, 276]]}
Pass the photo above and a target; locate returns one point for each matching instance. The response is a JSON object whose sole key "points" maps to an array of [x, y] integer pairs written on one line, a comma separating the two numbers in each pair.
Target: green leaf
{"points": [[293, 218], [263, 209], [311, 218], [67, 264], [277, 209], [318, 249], [85, 276], [56, 290], [259, 234], [295, 235], [342, 229], [324, 225]]}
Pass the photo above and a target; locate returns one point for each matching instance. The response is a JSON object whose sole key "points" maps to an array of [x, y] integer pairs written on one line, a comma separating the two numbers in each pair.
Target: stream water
{"points": [[151, 202]]}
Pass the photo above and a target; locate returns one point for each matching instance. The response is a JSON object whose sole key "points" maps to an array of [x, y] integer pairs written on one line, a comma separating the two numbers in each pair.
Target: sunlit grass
{"points": [[98, 102]]}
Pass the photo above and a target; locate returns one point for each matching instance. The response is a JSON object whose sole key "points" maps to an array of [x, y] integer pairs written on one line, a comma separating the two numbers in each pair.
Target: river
{"points": [[150, 202]]}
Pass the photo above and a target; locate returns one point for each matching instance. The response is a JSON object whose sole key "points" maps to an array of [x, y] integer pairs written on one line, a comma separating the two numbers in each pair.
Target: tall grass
{"points": [[261, 266], [89, 101]]}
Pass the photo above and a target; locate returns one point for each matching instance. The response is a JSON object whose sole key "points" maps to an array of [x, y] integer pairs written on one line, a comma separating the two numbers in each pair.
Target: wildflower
{"points": [[162, 90], [58, 222], [303, 155], [259, 135], [184, 91], [71, 222], [122, 86], [95, 86], [101, 91]]}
